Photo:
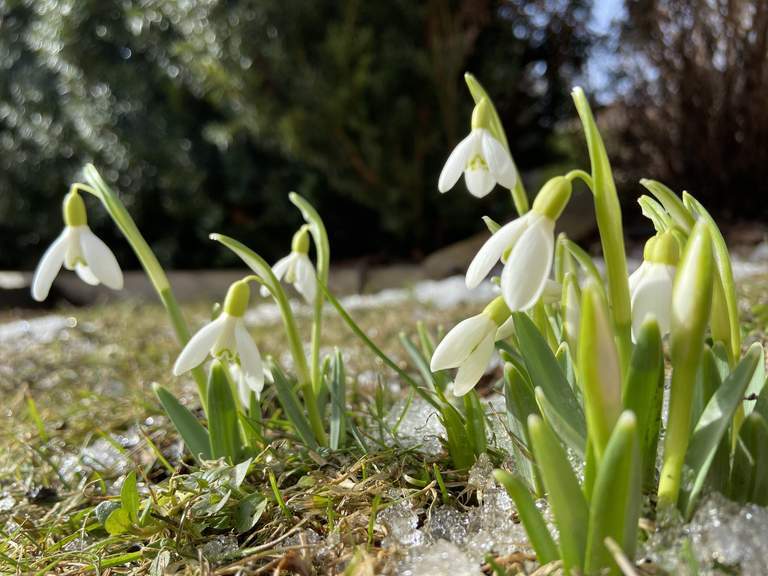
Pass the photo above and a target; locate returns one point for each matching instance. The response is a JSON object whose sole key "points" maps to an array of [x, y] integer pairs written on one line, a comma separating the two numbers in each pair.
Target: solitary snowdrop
{"points": [[227, 337], [78, 249], [469, 346], [527, 244], [296, 268], [481, 157], [650, 286]]}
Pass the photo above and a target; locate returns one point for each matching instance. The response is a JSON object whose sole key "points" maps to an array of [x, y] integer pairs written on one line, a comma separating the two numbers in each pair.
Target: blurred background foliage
{"points": [[205, 113]]}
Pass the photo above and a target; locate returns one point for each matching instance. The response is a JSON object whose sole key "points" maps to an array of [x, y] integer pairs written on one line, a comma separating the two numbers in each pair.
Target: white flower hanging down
{"points": [[469, 346], [296, 268], [528, 246], [650, 286], [78, 249], [481, 157], [227, 337]]}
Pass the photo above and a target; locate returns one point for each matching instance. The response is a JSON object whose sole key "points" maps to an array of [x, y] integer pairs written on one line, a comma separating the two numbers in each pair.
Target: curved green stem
{"points": [[122, 218], [264, 271], [322, 247]]}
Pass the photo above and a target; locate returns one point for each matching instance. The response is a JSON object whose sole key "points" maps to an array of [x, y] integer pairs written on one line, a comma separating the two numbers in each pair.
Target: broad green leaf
{"points": [[749, 478], [338, 389], [707, 382], [545, 373], [616, 498], [644, 394], [475, 422], [129, 497], [533, 521], [223, 425], [755, 386], [561, 427], [714, 423], [761, 404], [459, 445], [563, 493], [192, 432], [118, 522], [248, 512], [290, 404], [565, 360], [521, 403]]}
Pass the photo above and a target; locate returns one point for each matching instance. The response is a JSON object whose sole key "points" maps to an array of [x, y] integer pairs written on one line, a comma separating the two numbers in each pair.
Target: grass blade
{"points": [[290, 404], [338, 389]]}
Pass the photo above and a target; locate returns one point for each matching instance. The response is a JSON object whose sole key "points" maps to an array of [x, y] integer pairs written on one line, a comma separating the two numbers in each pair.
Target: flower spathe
{"points": [[296, 268], [481, 157], [469, 346], [77, 248], [528, 244], [650, 286], [227, 337]]}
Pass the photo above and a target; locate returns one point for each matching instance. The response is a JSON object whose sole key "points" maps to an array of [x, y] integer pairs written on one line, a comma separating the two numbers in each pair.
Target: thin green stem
{"points": [[264, 271], [323, 251], [122, 218], [376, 350]]}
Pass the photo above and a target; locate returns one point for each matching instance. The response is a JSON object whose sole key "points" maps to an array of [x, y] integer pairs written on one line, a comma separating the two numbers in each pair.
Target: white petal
{"points": [[278, 269], [493, 249], [479, 181], [525, 273], [85, 274], [473, 368], [252, 368], [100, 259], [653, 296], [457, 161], [199, 346], [49, 266], [507, 329], [636, 276], [508, 177], [496, 156], [460, 341], [226, 340], [305, 280]]}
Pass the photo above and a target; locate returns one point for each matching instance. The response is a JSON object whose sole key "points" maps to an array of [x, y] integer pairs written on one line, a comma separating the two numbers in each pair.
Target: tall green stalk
{"points": [[119, 214], [608, 213]]}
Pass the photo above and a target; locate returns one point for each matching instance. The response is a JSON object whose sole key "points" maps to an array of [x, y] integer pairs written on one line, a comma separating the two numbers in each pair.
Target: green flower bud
{"points": [[497, 311], [553, 197], [300, 242], [482, 115], [237, 299], [74, 210], [665, 250]]}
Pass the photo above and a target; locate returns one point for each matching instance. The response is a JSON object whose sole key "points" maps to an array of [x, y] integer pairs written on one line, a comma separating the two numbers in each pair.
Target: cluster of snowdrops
{"points": [[584, 351]]}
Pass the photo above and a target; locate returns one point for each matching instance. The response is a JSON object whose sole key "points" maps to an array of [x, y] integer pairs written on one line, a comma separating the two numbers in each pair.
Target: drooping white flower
{"points": [[481, 157], [76, 248], [528, 245], [469, 346], [227, 337], [650, 286], [296, 268]]}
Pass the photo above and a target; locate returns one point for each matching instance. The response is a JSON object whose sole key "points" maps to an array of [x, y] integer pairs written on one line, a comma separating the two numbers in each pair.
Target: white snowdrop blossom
{"points": [[650, 286], [469, 346], [481, 157], [76, 248], [527, 244], [227, 338], [296, 268]]}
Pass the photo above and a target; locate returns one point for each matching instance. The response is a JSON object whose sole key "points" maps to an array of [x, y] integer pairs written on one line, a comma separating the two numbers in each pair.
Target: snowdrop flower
{"points": [[227, 337], [78, 249], [481, 157], [297, 268], [469, 346], [528, 245], [650, 286]]}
